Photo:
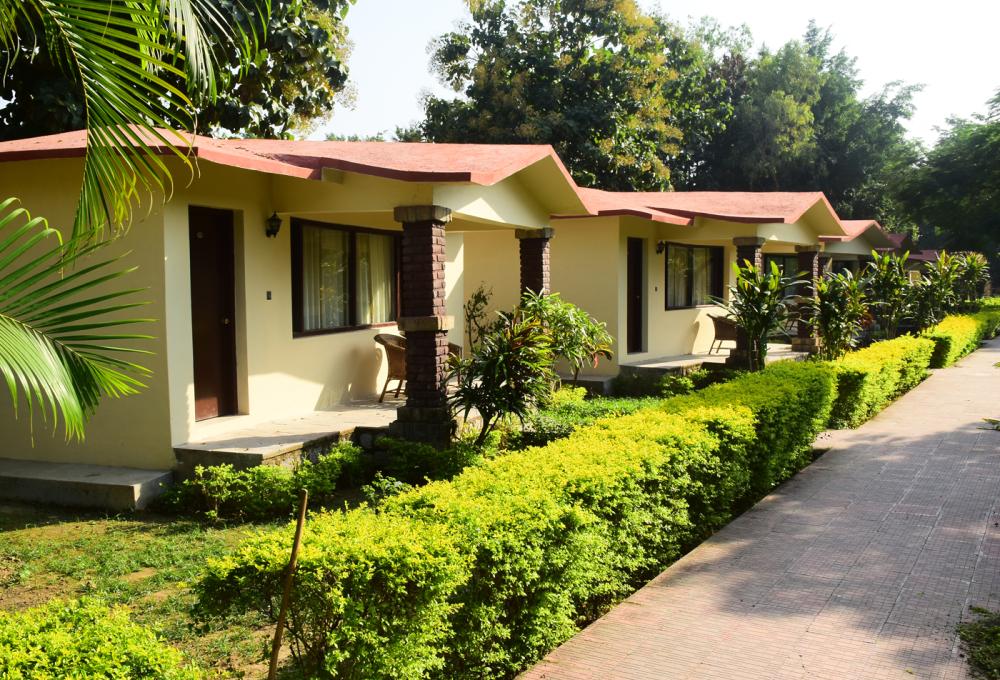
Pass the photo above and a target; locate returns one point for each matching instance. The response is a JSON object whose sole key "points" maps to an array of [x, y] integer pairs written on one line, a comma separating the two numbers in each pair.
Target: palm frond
{"points": [[128, 58], [61, 334]]}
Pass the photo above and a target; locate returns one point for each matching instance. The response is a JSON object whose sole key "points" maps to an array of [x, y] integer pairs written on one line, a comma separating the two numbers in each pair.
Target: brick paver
{"points": [[858, 567]]}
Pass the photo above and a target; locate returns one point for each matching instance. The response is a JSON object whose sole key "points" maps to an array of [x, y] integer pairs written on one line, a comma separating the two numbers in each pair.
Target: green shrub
{"points": [[415, 463], [560, 419], [372, 596], [869, 379], [960, 334], [479, 576], [84, 639], [266, 491]]}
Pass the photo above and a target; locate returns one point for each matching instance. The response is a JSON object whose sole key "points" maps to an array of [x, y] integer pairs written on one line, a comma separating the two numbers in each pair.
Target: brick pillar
{"points": [[534, 245], [747, 248], [805, 339], [425, 417]]}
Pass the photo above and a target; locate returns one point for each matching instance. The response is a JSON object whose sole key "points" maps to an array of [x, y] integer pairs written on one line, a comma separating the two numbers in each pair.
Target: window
{"points": [[343, 277], [694, 275], [788, 265]]}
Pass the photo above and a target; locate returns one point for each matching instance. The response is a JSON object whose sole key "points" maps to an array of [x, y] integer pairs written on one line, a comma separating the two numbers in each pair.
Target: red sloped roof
{"points": [[611, 203], [681, 207], [855, 228], [483, 164]]}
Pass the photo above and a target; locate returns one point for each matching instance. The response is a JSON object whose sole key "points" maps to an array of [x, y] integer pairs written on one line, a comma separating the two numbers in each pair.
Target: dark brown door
{"points": [[212, 312], [636, 297]]}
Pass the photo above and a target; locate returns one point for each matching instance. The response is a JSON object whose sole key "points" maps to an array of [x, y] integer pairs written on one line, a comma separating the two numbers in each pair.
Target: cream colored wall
{"points": [[454, 284], [584, 272], [133, 431], [492, 259], [675, 331], [278, 375], [859, 246]]}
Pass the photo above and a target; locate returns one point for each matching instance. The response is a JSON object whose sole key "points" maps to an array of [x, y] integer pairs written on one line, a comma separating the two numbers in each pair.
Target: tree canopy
{"points": [[589, 77], [952, 194], [289, 82]]}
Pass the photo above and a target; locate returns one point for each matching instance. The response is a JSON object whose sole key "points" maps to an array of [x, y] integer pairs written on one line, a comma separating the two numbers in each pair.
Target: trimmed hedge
{"points": [[479, 576], [84, 639], [870, 378], [960, 334]]}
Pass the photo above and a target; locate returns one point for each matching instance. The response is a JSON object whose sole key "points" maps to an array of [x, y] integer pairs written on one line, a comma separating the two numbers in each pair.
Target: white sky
{"points": [[949, 47]]}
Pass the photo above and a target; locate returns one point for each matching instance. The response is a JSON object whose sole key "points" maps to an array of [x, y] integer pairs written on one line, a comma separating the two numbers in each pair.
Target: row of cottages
{"points": [[270, 272]]}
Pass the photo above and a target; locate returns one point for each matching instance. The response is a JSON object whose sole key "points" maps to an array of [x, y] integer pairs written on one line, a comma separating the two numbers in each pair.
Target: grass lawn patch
{"points": [[144, 563], [981, 640]]}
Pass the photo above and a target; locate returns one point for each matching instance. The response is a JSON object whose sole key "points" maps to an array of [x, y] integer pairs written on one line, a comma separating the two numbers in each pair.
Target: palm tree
{"points": [[61, 331]]}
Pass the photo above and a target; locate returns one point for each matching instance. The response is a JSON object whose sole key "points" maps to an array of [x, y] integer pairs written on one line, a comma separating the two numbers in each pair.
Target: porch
{"points": [[683, 364]]}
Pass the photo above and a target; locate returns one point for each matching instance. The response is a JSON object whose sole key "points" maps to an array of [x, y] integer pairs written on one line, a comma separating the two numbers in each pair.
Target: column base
{"points": [[426, 424], [810, 345]]}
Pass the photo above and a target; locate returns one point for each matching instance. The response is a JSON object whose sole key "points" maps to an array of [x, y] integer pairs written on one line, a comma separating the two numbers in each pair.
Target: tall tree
{"points": [[953, 192], [60, 352], [286, 82], [587, 76]]}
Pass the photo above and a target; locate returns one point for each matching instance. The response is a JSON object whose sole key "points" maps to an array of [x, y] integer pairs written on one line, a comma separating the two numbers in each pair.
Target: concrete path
{"points": [[858, 567]]}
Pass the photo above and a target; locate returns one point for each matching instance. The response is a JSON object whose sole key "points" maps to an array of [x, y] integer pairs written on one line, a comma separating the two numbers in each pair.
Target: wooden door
{"points": [[636, 298], [212, 312]]}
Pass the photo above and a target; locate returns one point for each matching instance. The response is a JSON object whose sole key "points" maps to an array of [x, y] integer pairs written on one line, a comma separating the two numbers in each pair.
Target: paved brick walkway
{"points": [[858, 567]]}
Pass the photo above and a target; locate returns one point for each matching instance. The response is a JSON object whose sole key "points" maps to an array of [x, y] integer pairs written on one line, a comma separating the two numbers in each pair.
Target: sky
{"points": [[950, 48]]}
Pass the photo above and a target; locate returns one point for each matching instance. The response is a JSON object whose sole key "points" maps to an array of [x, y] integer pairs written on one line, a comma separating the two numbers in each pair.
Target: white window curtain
{"points": [[324, 278], [677, 273], [701, 276], [374, 278]]}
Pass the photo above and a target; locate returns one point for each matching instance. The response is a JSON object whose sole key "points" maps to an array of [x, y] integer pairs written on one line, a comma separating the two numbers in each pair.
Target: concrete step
{"points": [[79, 485]]}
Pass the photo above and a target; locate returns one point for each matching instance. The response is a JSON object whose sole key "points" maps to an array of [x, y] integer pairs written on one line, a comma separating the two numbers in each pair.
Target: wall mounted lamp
{"points": [[272, 225], [660, 247]]}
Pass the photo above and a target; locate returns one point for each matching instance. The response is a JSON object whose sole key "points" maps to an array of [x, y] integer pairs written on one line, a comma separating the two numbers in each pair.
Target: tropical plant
{"points": [[576, 336], [973, 274], [759, 303], [123, 56], [60, 325], [836, 313], [887, 288], [934, 295], [508, 374]]}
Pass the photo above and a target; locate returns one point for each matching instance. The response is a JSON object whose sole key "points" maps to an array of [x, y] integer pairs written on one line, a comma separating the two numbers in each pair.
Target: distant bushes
{"points": [[84, 639], [479, 576]]}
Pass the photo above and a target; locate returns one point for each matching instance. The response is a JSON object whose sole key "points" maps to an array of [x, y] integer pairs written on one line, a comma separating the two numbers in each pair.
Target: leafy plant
{"points": [[575, 335], [981, 641], [887, 288], [506, 375], [85, 639], [935, 294], [836, 313], [759, 303], [63, 344], [973, 275]]}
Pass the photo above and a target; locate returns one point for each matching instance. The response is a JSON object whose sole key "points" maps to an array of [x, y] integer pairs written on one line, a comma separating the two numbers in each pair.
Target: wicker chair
{"points": [[395, 352], [725, 330]]}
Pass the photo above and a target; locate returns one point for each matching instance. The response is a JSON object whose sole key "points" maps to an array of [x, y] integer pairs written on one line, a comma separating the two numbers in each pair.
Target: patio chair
{"points": [[725, 330], [395, 352]]}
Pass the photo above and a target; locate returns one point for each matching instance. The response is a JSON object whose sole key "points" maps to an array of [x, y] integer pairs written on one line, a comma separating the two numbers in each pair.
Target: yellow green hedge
{"points": [[84, 639], [960, 334], [869, 379], [480, 576]]}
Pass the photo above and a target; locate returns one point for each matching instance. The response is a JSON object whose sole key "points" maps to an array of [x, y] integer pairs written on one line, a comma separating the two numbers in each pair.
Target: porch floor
{"points": [[683, 363], [243, 442]]}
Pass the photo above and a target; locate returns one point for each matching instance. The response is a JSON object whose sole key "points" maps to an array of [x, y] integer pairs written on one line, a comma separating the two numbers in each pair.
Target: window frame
{"points": [[717, 256], [298, 313]]}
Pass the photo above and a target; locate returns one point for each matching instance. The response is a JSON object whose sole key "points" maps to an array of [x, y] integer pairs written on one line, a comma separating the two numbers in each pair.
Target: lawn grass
{"points": [[145, 562], [981, 640]]}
